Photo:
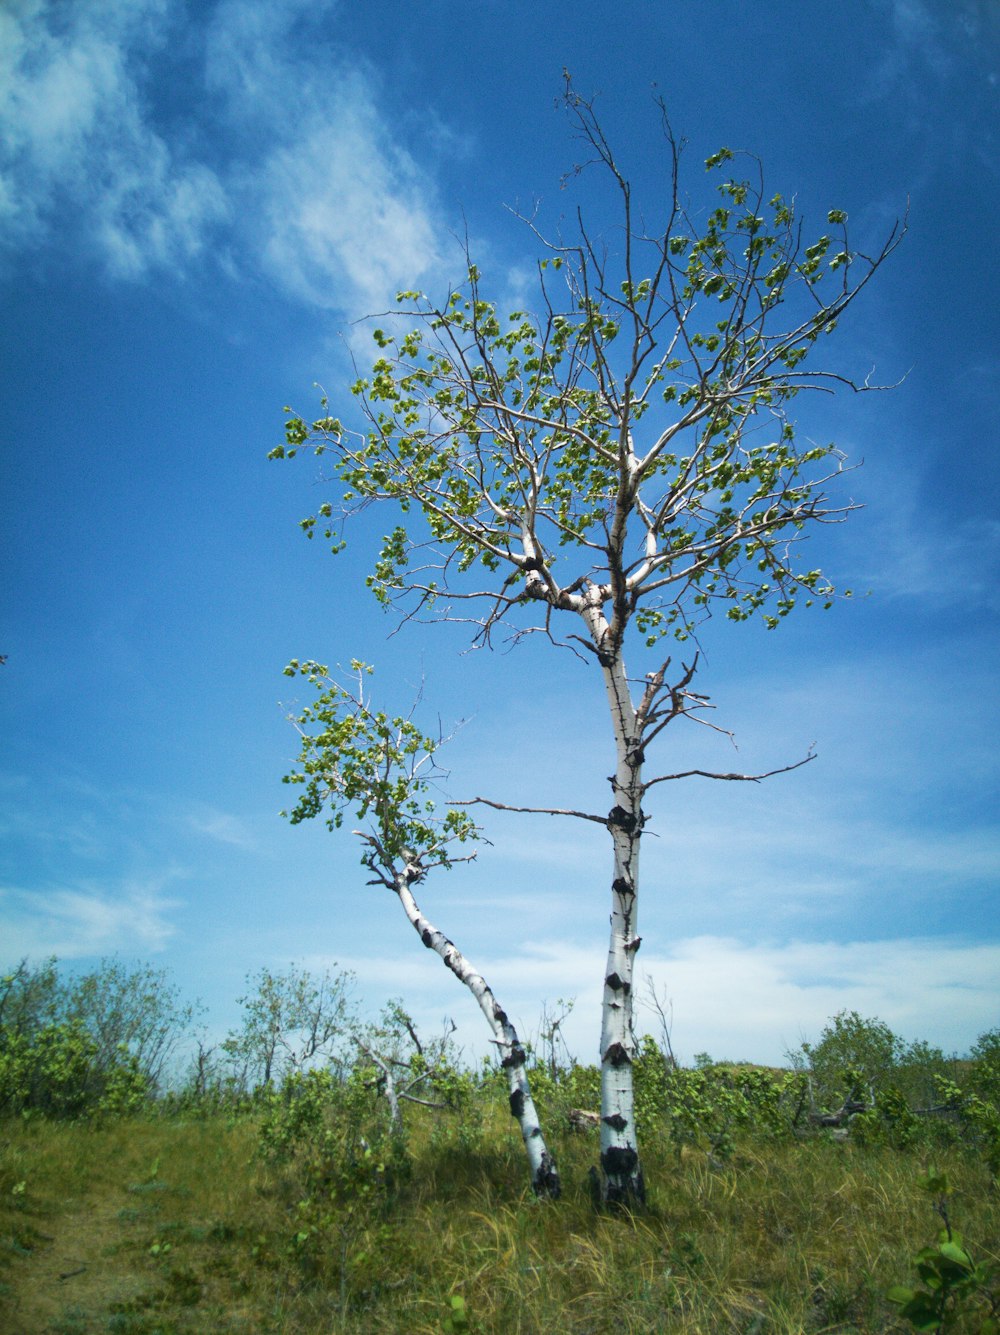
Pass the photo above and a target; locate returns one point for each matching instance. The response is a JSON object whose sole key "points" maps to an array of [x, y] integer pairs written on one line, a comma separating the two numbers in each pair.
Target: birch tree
{"points": [[607, 469], [357, 759]]}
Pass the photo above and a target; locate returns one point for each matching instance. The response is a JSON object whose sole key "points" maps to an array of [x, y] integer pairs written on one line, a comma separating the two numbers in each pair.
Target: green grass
{"points": [[169, 1226]]}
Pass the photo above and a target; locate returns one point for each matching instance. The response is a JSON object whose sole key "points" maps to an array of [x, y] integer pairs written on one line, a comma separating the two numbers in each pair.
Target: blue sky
{"points": [[196, 202]]}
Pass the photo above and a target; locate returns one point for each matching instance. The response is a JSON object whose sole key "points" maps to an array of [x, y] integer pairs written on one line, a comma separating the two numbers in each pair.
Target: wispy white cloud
{"points": [[931, 41], [936, 32], [289, 170], [336, 211], [75, 133], [88, 919], [918, 30], [223, 827], [345, 220], [739, 998]]}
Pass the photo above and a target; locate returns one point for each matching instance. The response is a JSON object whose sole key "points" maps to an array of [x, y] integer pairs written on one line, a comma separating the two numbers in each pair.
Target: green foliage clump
{"points": [[297, 1114], [711, 1106], [985, 1072], [97, 1043], [979, 1119], [56, 1070], [558, 1089], [343, 1162], [862, 1052], [904, 1095], [955, 1291], [889, 1121]]}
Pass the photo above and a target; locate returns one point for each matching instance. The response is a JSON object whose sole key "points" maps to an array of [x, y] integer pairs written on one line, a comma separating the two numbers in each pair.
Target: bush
{"points": [[95, 1043], [955, 1291], [984, 1077], [342, 1163], [59, 1071], [853, 1056]]}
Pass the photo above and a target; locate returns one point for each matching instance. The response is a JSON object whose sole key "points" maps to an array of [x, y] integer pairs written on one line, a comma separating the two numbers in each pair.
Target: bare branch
{"points": [[734, 778], [530, 811]]}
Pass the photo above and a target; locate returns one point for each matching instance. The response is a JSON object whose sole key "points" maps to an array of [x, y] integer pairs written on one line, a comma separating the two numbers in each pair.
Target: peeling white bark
{"points": [[622, 1171], [544, 1174]]}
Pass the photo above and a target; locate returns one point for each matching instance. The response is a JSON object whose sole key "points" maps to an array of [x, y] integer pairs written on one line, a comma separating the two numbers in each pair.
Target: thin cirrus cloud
{"points": [[86, 918], [901, 548], [937, 43], [288, 174], [223, 828]]}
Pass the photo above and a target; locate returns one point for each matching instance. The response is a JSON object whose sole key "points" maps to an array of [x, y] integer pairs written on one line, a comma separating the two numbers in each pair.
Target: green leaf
{"points": [[900, 1294], [953, 1252], [458, 1320], [716, 160]]}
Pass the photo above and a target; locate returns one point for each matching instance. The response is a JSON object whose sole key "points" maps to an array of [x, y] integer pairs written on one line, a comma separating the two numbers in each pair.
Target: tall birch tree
{"points": [[607, 469]]}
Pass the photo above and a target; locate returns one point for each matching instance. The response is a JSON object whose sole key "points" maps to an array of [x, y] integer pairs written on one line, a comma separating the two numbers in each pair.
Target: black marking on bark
{"points": [[546, 1180], [617, 1056], [427, 936], [618, 984], [616, 1121], [620, 819], [624, 1192], [500, 1015], [619, 1160], [623, 886], [514, 1058], [517, 1104]]}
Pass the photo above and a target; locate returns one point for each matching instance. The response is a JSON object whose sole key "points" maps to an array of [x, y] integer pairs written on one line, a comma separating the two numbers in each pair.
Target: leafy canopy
{"points": [[380, 767], [627, 443]]}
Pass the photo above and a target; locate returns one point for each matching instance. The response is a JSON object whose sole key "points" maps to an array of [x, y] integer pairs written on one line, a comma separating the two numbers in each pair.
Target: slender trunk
{"points": [[388, 1086], [622, 1177], [544, 1174]]}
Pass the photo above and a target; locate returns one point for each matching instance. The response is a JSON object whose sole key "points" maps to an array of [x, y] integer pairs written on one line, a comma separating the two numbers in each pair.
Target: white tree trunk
{"points": [[544, 1174], [623, 1182]]}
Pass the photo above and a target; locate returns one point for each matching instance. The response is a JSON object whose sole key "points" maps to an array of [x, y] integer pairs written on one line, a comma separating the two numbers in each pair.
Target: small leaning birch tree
{"points": [[355, 758], [608, 469]]}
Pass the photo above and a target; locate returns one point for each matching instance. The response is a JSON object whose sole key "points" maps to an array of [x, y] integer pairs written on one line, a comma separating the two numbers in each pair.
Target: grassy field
{"points": [[156, 1225]]}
